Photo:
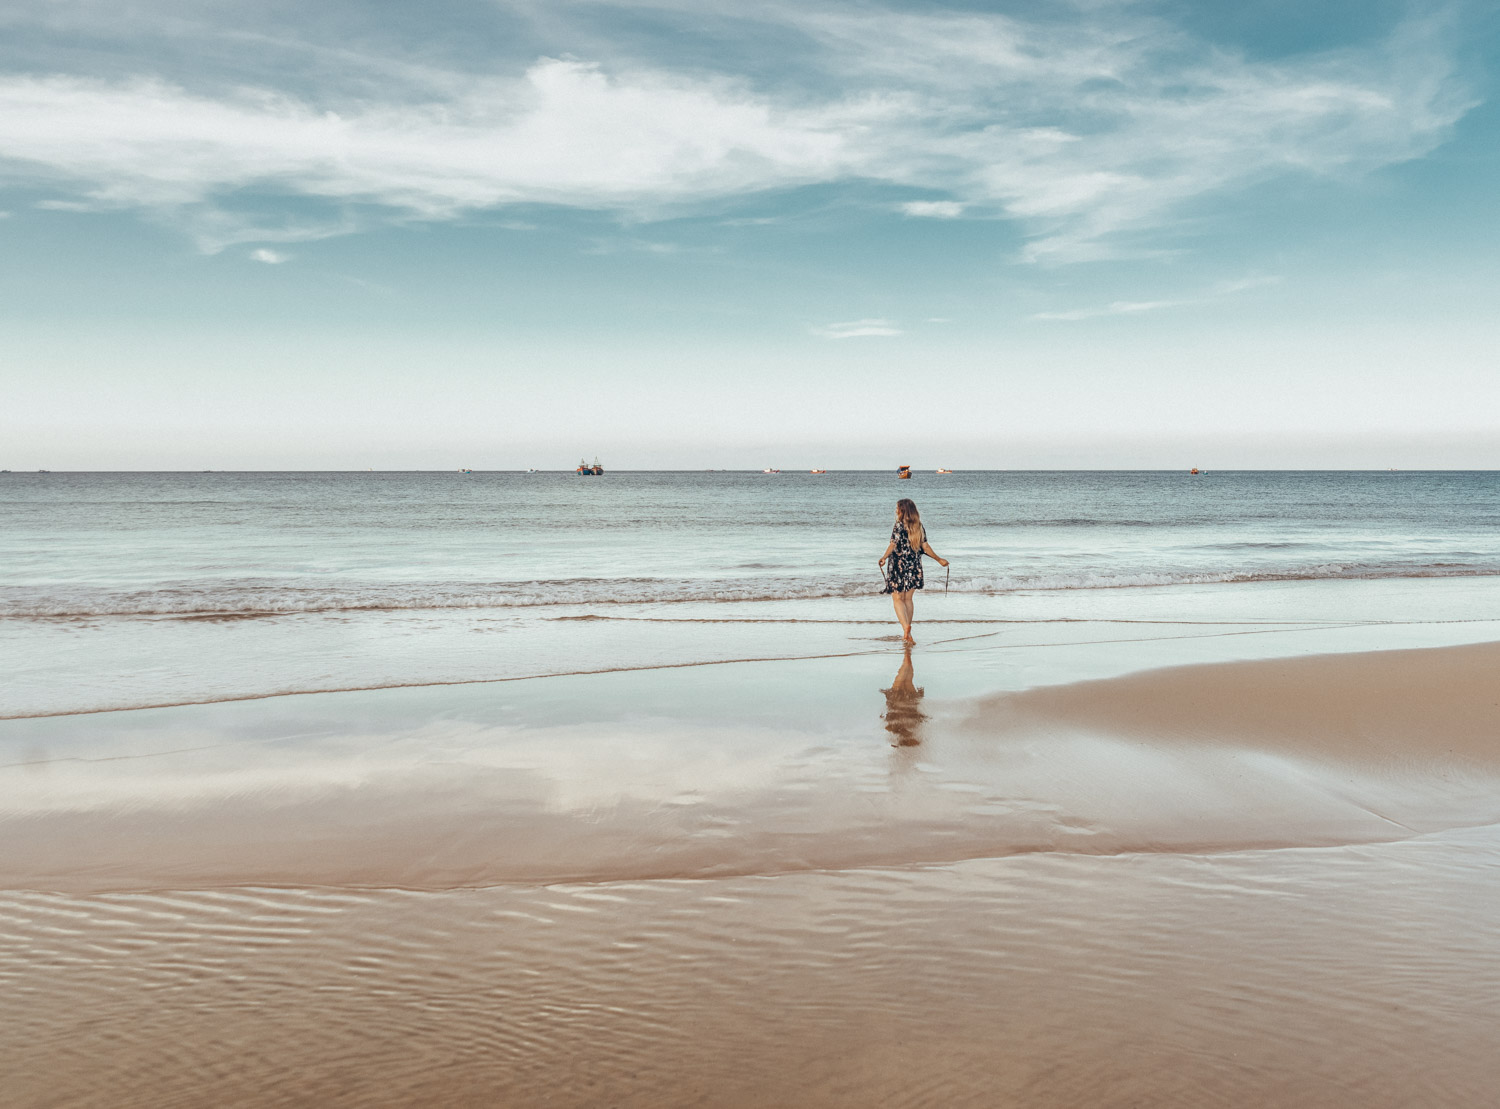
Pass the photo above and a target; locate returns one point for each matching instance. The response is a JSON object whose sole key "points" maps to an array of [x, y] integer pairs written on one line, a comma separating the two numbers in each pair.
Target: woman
{"points": [[908, 544]]}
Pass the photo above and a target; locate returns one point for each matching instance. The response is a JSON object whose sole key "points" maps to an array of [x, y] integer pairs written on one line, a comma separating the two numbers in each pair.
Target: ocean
{"points": [[129, 589]]}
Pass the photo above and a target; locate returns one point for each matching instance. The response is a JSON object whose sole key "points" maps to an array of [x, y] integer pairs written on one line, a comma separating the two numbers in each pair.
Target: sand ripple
{"points": [[1308, 978]]}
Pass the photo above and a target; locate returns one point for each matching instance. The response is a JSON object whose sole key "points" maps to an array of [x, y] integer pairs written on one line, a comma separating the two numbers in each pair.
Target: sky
{"points": [[695, 234]]}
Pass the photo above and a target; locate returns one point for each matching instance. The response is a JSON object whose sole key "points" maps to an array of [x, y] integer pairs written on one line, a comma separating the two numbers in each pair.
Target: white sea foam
{"points": [[246, 599]]}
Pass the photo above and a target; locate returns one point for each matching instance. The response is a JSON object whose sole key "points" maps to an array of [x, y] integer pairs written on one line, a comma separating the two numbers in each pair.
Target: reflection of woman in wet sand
{"points": [[903, 706], [907, 546]]}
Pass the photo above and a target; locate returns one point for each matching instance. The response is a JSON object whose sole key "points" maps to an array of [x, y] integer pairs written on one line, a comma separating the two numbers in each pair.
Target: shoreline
{"points": [[129, 664], [1269, 626]]}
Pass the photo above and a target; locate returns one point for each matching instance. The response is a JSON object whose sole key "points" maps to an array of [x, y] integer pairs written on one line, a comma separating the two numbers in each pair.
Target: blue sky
{"points": [[499, 235]]}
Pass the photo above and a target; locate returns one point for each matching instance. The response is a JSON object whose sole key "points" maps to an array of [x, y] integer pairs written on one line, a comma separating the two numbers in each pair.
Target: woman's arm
{"points": [[929, 552], [889, 547]]}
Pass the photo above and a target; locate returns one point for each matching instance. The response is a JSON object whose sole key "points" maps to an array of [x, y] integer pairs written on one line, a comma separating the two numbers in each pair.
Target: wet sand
{"points": [[1377, 707], [1220, 881], [1335, 977]]}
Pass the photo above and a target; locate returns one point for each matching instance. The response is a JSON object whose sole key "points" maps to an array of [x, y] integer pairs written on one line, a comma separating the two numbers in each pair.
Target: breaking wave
{"points": [[244, 598]]}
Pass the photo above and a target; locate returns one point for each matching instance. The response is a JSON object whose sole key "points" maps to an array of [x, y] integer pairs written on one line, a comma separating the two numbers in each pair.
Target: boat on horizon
{"points": [[903, 472], [817, 471], [586, 469], [945, 471], [770, 471]]}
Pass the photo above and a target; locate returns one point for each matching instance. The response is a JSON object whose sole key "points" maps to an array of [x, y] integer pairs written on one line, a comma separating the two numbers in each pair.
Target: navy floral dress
{"points": [[903, 570]]}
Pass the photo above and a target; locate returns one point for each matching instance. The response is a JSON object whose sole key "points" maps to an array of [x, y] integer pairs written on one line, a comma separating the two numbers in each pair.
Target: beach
{"points": [[1201, 842]]}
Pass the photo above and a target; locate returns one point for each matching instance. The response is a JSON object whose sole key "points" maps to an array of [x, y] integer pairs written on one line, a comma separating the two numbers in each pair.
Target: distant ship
{"points": [[817, 471], [594, 470], [770, 471], [945, 471], [466, 471], [903, 471], [1195, 470]]}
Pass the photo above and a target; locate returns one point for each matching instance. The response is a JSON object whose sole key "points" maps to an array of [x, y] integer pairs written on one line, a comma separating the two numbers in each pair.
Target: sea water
{"points": [[127, 589]]}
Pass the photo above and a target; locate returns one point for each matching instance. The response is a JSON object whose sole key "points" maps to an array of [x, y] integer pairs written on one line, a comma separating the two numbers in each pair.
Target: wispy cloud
{"points": [[269, 257], [1085, 131], [857, 329], [623, 245], [1244, 284], [1136, 307], [933, 209], [1115, 308]]}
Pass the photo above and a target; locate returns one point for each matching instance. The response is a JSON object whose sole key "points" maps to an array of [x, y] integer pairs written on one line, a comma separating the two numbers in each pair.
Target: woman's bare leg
{"points": [[911, 608], [899, 602]]}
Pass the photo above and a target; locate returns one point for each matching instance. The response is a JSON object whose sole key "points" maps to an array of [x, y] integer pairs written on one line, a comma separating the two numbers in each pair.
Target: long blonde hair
{"points": [[906, 512]]}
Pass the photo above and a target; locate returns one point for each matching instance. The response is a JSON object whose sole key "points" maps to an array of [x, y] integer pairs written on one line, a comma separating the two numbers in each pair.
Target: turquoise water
{"points": [[120, 544], [129, 589]]}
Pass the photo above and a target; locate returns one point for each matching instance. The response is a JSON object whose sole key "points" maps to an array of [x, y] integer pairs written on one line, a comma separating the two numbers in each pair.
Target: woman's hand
{"points": [[942, 562], [881, 563]]}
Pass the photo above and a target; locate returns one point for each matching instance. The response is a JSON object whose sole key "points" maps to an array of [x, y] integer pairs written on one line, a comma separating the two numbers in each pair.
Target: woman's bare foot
{"points": [[907, 637]]}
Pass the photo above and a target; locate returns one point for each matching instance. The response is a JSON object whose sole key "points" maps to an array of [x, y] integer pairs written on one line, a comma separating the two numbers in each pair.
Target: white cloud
{"points": [[855, 329], [1135, 307], [933, 209], [563, 133], [621, 245], [1244, 284], [1117, 308], [1085, 131], [270, 257]]}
